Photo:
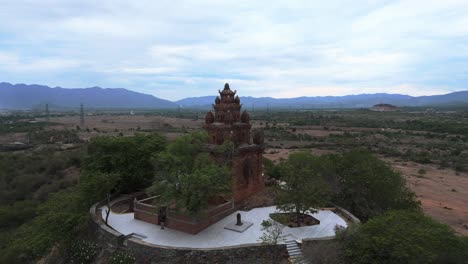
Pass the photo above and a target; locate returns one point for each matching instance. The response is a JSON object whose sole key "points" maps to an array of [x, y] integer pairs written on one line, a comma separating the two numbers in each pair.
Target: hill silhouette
{"points": [[23, 96]]}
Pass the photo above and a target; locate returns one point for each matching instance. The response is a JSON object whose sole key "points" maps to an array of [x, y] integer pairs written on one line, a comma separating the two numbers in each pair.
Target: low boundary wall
{"points": [[349, 216], [318, 244], [147, 253], [147, 212]]}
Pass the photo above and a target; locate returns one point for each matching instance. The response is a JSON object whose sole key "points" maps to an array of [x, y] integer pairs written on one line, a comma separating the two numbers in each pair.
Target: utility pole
{"points": [[81, 115], [47, 112], [268, 112]]}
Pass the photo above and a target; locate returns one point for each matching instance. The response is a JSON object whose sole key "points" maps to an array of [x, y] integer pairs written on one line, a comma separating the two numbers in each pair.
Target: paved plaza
{"points": [[216, 236]]}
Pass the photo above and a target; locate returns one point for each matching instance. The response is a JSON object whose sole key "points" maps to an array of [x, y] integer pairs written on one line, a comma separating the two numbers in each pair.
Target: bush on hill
{"points": [[402, 237]]}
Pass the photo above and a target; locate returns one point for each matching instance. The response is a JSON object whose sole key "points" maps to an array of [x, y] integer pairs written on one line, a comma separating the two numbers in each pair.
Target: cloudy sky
{"points": [[175, 49]]}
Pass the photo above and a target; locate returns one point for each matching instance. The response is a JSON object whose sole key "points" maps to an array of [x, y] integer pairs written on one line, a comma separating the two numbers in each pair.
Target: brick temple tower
{"points": [[227, 123]]}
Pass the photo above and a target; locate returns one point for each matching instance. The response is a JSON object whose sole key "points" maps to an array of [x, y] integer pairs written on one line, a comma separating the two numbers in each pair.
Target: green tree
{"points": [[95, 186], [272, 232], [188, 177], [304, 188], [403, 237], [190, 191], [271, 169], [179, 156], [226, 151], [131, 158], [368, 186]]}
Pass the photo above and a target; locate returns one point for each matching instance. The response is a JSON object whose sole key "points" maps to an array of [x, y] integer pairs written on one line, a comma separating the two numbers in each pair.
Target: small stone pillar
{"points": [[239, 220]]}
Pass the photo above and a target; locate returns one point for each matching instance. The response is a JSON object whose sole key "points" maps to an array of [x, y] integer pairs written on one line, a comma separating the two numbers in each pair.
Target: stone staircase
{"points": [[295, 252]]}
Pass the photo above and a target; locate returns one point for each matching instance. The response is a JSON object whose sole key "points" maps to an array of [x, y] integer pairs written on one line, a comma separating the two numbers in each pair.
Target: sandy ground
{"points": [[126, 122], [317, 132], [276, 155], [443, 193], [13, 137]]}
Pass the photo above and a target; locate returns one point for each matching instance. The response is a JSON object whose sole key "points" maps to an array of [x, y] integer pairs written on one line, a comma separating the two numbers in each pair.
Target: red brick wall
{"points": [[245, 185], [174, 221], [181, 222], [145, 212], [146, 217]]}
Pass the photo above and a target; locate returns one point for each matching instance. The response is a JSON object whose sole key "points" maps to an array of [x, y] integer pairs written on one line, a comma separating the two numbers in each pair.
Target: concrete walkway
{"points": [[216, 236]]}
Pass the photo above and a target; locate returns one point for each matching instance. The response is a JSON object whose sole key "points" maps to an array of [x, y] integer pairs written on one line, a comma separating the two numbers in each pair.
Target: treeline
{"points": [[451, 123], [422, 147]]}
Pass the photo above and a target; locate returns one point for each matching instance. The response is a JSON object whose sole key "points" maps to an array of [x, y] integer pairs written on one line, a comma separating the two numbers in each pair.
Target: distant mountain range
{"points": [[22, 96], [347, 101]]}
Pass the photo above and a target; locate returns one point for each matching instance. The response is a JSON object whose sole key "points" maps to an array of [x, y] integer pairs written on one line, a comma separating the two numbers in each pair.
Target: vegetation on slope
{"points": [[107, 167]]}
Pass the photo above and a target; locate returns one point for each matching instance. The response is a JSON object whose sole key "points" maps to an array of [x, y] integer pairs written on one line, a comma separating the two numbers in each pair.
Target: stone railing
{"points": [[349, 216]]}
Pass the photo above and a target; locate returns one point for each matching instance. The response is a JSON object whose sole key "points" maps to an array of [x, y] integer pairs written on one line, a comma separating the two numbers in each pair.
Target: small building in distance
{"points": [[384, 108]]}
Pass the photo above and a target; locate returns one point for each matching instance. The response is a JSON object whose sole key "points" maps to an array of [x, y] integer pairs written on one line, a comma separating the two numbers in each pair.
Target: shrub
{"points": [[122, 257], [83, 252], [403, 237]]}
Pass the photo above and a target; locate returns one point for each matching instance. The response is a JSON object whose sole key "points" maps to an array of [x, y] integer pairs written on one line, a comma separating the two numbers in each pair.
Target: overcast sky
{"points": [[176, 49]]}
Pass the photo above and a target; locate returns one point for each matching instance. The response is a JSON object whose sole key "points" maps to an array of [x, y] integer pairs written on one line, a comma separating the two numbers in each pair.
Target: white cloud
{"points": [[13, 62], [265, 48], [148, 70]]}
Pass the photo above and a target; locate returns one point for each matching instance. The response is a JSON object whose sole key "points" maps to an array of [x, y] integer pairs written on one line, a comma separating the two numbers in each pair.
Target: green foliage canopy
{"points": [[403, 237], [368, 187], [305, 188], [188, 177], [271, 169], [179, 156], [131, 158]]}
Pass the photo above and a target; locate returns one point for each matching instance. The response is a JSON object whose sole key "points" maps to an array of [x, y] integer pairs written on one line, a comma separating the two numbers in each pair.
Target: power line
{"points": [[47, 111]]}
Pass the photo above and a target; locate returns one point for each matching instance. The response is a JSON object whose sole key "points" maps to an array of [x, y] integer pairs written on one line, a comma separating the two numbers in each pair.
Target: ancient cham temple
{"points": [[227, 123]]}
